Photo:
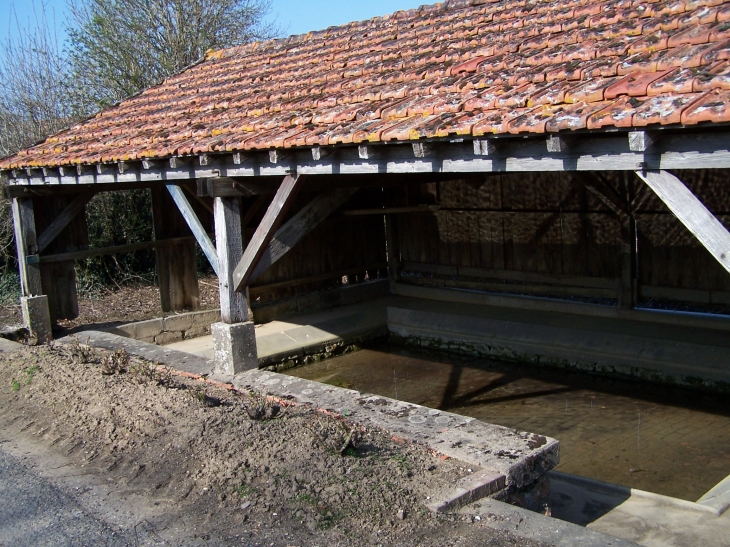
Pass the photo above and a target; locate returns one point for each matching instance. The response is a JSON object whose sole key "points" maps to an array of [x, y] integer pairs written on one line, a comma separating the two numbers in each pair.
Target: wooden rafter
{"points": [[266, 229]]}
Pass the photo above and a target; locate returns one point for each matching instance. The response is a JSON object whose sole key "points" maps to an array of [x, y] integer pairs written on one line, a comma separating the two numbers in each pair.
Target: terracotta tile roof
{"points": [[465, 68]]}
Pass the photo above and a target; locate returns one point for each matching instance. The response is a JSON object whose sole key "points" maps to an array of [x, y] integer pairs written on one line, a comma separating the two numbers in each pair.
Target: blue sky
{"points": [[295, 16]]}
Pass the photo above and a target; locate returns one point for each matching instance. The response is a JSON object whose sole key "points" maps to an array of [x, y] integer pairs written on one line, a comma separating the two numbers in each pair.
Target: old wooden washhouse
{"points": [[560, 156]]}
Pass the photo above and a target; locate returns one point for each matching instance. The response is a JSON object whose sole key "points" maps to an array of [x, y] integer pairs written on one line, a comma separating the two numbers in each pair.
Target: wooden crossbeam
{"points": [[266, 229], [196, 227], [300, 225], [68, 214], [691, 212]]}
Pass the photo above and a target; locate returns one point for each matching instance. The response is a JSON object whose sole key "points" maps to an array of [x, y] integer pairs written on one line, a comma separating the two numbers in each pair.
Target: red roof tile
{"points": [[463, 68]]}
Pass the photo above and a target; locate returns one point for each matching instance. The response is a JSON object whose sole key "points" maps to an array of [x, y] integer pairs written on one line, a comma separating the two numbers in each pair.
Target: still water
{"points": [[656, 438]]}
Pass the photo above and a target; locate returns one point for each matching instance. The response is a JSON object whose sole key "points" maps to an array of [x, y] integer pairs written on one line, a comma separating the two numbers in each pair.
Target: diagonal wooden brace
{"points": [[300, 225], [691, 212], [195, 226], [265, 231], [68, 214]]}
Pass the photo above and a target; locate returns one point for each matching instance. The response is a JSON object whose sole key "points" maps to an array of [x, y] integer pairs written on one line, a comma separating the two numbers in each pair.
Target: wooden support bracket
{"points": [[277, 156], [193, 222], [421, 149], [557, 144], [641, 141], [691, 212], [266, 229], [485, 147], [68, 214], [319, 153], [366, 152], [300, 225]]}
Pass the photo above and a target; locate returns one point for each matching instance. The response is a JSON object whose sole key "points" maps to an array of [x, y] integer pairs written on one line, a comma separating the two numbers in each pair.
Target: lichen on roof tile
{"points": [[463, 67]]}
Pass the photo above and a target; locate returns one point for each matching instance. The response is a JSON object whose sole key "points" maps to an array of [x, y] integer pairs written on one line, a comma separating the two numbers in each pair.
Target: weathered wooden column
{"points": [[234, 339], [36, 314], [176, 270]]}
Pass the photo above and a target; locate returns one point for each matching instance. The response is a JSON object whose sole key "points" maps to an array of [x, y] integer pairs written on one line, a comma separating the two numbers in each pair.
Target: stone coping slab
{"points": [[520, 458]]}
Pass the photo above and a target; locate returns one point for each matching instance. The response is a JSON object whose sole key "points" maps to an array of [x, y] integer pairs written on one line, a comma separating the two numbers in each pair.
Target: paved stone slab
{"points": [[9, 345]]}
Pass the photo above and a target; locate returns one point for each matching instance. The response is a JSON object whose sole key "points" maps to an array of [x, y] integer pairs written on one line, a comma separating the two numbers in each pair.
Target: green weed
{"points": [[244, 490], [30, 373], [15, 385]]}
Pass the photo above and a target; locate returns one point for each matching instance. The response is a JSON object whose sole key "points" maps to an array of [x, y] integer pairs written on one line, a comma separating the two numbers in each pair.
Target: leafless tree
{"points": [[120, 47]]}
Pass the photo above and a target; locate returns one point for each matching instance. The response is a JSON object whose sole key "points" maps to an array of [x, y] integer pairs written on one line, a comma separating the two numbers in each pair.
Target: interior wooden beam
{"points": [[691, 212], [68, 214], [266, 229], [300, 225], [200, 233]]}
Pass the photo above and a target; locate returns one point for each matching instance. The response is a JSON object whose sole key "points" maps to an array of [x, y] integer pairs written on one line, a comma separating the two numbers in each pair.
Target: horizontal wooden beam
{"points": [[259, 290], [588, 151], [392, 210], [118, 249], [691, 212]]}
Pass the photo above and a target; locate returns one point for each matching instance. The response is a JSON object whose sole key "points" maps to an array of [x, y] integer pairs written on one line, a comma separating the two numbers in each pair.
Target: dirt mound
{"points": [[241, 460]]}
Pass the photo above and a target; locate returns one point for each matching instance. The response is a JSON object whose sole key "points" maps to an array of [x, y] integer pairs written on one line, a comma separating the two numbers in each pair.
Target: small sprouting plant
{"points": [[261, 407], [77, 351], [29, 374], [15, 385], [244, 490], [115, 363]]}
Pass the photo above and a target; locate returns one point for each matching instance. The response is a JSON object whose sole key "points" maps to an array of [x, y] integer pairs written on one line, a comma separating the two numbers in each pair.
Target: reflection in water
{"points": [[654, 438]]}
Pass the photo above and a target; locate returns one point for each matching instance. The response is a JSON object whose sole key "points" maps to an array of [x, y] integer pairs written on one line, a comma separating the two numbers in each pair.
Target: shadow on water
{"points": [[664, 439]]}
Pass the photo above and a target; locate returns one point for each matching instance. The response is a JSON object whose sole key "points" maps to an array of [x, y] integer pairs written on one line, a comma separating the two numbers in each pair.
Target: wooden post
{"points": [[393, 242], [176, 269], [628, 293], [229, 245], [27, 246], [234, 338], [36, 314]]}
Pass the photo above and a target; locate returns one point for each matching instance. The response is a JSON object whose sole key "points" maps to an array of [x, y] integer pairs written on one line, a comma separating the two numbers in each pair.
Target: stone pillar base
{"points": [[37, 317], [234, 348]]}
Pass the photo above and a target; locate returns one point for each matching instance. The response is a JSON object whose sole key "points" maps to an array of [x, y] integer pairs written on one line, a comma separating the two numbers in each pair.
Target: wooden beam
{"points": [[68, 214], [485, 147], [557, 144], [27, 246], [392, 210], [641, 141], [200, 233], [300, 225], [691, 212], [265, 231], [228, 237], [118, 249]]}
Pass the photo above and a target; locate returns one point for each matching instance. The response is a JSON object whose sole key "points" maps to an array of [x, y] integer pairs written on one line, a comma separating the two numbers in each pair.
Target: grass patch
{"points": [[29, 374], [15, 385], [244, 490]]}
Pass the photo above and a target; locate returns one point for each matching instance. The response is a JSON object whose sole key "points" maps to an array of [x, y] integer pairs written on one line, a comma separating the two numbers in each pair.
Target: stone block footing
{"points": [[37, 317], [234, 348]]}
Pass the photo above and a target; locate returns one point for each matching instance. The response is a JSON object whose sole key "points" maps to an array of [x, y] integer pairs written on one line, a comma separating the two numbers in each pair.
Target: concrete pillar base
{"points": [[37, 317], [234, 348]]}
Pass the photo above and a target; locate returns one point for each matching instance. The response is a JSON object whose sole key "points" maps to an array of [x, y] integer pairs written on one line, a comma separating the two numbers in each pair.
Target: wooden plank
{"points": [[200, 233], [88, 253], [265, 231], [176, 269], [691, 212], [510, 288], [68, 214], [228, 238], [392, 237], [261, 289], [300, 225], [27, 246], [513, 276], [392, 210]]}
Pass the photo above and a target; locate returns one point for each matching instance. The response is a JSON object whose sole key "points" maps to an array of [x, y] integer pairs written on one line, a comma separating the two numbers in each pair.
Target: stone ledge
{"points": [[169, 329]]}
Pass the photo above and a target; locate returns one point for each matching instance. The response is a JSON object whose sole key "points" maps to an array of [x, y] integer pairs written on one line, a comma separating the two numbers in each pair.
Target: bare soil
{"points": [[237, 468], [125, 304]]}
